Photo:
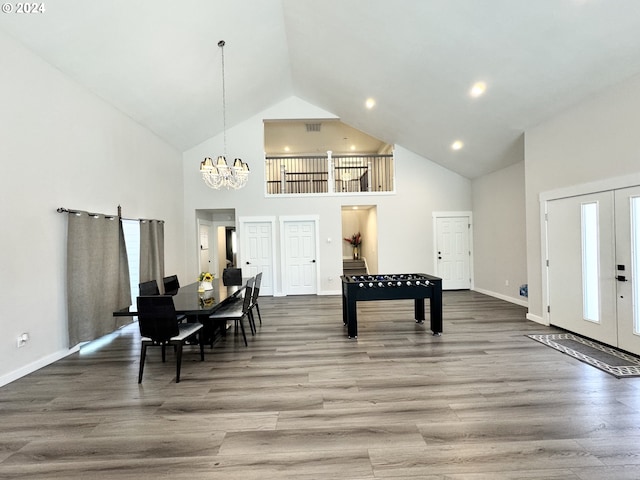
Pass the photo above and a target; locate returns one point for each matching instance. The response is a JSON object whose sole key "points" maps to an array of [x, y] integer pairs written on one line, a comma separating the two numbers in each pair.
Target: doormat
{"points": [[608, 359]]}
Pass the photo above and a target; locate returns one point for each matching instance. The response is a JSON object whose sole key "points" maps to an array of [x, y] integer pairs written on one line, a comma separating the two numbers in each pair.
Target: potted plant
{"points": [[355, 241]]}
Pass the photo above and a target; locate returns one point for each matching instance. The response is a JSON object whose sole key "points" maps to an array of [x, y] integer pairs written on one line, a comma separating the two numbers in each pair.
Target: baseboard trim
{"points": [[537, 319], [517, 301], [330, 292], [319, 293], [35, 366]]}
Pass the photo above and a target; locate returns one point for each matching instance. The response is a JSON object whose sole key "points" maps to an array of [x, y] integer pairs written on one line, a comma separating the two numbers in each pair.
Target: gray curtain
{"points": [[152, 251], [97, 275]]}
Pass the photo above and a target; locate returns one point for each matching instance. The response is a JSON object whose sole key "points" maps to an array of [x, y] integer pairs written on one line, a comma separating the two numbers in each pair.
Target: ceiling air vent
{"points": [[313, 127]]}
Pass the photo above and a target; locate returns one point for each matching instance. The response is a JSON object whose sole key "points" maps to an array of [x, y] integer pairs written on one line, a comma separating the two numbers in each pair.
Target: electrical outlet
{"points": [[22, 340]]}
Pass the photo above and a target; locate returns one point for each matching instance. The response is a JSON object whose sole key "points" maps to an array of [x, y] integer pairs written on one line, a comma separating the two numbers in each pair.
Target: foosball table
{"points": [[416, 286]]}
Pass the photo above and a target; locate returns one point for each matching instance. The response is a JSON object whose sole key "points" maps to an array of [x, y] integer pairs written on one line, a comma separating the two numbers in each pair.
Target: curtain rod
{"points": [[79, 212]]}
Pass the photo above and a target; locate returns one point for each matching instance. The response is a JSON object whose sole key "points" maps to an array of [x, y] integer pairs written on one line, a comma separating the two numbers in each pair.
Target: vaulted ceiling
{"points": [[158, 62]]}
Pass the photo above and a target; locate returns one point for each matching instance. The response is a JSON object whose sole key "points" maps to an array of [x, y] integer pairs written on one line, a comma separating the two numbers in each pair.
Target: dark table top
{"points": [[188, 301]]}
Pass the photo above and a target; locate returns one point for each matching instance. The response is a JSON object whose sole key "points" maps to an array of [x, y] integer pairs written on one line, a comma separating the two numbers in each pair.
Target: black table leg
{"points": [[352, 319], [436, 310], [345, 314], [419, 310]]}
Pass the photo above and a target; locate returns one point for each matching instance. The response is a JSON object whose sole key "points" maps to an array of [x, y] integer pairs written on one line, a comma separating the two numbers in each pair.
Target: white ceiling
{"points": [[158, 61]]}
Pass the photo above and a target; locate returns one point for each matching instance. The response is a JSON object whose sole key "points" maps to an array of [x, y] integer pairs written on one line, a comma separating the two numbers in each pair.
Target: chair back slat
{"points": [[171, 284], [256, 288], [232, 276], [157, 317], [149, 288], [248, 291]]}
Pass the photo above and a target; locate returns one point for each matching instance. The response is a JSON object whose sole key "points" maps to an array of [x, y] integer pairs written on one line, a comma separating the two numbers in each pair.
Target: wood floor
{"points": [[481, 402]]}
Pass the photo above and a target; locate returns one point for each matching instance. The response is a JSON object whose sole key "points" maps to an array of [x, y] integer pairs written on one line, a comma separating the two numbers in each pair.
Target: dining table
{"points": [[189, 301], [195, 305]]}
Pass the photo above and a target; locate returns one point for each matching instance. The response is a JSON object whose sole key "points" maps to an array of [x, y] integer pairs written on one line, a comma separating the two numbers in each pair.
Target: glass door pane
{"points": [[590, 264]]}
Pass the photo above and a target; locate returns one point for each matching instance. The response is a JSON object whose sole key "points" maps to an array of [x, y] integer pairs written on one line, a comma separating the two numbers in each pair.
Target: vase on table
{"points": [[356, 253], [204, 286]]}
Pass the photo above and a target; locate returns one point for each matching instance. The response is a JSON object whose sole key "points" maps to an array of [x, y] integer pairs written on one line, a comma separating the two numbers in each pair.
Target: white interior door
{"points": [[453, 252], [220, 232], [205, 245], [300, 258], [627, 207], [257, 252], [581, 265]]}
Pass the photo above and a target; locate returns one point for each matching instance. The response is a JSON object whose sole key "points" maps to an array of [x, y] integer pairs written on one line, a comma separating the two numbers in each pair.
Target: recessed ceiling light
{"points": [[457, 145], [370, 103], [478, 89], [353, 148], [286, 149]]}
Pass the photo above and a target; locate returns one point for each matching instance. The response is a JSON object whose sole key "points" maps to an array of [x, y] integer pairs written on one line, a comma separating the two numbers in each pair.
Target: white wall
{"points": [[370, 252], [595, 140], [499, 233], [64, 147], [405, 233]]}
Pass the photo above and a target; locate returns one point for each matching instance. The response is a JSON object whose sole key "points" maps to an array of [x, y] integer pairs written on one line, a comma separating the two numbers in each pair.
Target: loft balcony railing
{"points": [[329, 174]]}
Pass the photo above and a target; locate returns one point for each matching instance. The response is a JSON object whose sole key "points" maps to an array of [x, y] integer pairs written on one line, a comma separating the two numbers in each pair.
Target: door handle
{"points": [[621, 278], [248, 263], [313, 261]]}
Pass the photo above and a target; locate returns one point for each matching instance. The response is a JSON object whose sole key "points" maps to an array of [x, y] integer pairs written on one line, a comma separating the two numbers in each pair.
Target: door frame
{"points": [[434, 219], [283, 269], [242, 222]]}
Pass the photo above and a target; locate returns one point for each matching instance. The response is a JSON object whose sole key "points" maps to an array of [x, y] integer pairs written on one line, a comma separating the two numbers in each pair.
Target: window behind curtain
{"points": [[131, 229]]}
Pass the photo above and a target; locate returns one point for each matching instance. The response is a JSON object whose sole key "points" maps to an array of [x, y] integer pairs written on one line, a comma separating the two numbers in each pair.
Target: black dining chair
{"points": [[171, 284], [149, 288], [254, 299], [232, 276], [236, 311], [159, 327]]}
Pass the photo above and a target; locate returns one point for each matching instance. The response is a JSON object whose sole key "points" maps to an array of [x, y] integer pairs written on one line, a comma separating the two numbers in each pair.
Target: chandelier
{"points": [[220, 174]]}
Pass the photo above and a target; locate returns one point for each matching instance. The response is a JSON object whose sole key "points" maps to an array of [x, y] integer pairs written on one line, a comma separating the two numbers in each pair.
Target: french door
{"points": [[628, 268], [593, 252], [580, 237]]}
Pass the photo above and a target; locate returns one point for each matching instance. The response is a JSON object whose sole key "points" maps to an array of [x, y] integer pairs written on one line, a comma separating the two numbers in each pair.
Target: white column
{"points": [[283, 179], [331, 177]]}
